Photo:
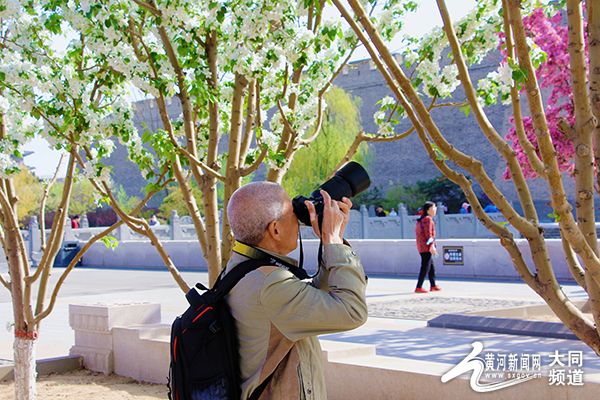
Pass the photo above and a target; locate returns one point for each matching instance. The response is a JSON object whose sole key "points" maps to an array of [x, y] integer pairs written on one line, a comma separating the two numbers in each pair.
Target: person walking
{"points": [[464, 209], [154, 221], [425, 233]]}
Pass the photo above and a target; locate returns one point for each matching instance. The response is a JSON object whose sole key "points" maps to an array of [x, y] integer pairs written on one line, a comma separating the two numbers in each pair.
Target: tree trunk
{"points": [[25, 374]]}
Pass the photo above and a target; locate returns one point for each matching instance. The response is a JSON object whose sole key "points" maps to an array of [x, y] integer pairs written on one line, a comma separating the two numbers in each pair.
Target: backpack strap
{"points": [[225, 283]]}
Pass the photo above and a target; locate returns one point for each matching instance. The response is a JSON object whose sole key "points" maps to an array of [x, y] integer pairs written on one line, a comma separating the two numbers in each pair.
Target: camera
{"points": [[350, 181]]}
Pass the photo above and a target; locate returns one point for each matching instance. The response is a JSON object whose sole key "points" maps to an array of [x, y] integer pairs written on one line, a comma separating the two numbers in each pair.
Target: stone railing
{"points": [[363, 225]]}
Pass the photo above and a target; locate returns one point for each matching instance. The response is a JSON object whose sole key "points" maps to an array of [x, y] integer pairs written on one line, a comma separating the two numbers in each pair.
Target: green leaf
{"points": [[110, 242], [466, 109], [555, 216], [221, 14], [440, 155]]}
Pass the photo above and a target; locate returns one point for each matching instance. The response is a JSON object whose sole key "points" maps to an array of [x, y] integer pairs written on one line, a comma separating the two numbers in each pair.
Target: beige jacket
{"points": [[279, 317]]}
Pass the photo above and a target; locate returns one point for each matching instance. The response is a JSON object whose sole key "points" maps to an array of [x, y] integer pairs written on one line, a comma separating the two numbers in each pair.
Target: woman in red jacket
{"points": [[425, 232]]}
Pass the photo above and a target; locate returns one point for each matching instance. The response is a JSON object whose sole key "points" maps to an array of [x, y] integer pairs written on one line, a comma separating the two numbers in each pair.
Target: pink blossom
{"points": [[554, 75]]}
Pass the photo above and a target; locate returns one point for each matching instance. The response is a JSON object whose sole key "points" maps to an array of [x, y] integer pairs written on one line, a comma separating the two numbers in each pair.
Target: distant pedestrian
{"points": [[75, 222], [379, 211], [420, 211], [425, 233], [393, 213], [154, 221], [464, 209], [490, 208]]}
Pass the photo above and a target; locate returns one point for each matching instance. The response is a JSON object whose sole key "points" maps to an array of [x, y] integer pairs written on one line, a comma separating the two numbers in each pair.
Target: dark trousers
{"points": [[426, 267]]}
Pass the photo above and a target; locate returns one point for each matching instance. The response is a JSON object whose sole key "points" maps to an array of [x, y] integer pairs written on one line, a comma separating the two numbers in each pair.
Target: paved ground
{"points": [[397, 323]]}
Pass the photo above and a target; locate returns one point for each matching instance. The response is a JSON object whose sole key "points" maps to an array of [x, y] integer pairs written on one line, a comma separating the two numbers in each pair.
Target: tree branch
{"points": [[576, 270], [43, 202], [56, 238], [86, 247], [200, 164], [191, 205], [148, 7], [57, 227], [249, 123], [5, 283], [250, 169]]}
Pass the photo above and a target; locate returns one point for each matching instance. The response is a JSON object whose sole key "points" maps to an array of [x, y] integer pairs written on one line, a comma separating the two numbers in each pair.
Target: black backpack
{"points": [[205, 361]]}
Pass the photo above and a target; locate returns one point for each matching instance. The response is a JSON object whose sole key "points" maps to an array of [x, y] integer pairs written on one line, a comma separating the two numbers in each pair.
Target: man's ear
{"points": [[273, 230]]}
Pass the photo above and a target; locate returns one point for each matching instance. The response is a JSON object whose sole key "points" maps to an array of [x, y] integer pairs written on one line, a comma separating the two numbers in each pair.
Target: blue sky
{"points": [[45, 160]]}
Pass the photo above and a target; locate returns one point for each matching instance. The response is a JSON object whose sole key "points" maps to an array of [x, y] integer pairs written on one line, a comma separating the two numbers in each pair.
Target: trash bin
{"points": [[67, 252]]}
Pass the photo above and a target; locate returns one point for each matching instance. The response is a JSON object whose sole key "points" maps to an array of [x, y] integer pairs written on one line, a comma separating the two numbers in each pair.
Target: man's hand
{"points": [[345, 207], [336, 215]]}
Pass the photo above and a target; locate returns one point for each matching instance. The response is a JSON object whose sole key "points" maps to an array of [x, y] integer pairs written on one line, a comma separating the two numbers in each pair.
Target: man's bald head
{"points": [[253, 207]]}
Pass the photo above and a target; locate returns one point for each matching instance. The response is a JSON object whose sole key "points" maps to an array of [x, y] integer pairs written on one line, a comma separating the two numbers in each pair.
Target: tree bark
{"points": [[584, 157], [24, 370]]}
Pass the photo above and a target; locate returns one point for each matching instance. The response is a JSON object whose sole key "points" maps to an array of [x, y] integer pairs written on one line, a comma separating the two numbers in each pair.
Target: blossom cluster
{"points": [[479, 33], [432, 60], [69, 96], [544, 28]]}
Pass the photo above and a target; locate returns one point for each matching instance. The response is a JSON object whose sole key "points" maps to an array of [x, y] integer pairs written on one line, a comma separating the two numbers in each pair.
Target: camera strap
{"points": [[257, 254]]}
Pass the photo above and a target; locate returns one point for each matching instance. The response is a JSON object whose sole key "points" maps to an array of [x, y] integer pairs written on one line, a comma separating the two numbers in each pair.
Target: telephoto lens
{"points": [[350, 181]]}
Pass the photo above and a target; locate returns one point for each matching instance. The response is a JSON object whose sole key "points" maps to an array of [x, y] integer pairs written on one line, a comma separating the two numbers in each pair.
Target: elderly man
{"points": [[278, 316]]}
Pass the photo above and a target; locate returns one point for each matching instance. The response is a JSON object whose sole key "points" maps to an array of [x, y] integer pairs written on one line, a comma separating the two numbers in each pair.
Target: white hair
{"points": [[252, 208]]}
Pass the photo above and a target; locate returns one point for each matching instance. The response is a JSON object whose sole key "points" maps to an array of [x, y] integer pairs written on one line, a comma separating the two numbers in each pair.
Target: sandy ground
{"points": [[84, 385]]}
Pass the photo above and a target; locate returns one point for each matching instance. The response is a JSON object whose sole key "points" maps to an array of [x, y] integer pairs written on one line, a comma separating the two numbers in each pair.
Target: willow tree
{"points": [[470, 39], [313, 164]]}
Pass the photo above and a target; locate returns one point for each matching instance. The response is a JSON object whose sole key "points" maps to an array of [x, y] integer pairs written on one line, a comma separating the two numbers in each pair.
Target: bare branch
{"points": [[200, 164], [5, 283], [318, 124], [47, 188], [55, 238], [86, 247], [285, 119], [191, 205], [449, 104], [251, 111], [135, 37], [148, 7], [250, 169], [505, 236], [574, 266], [148, 232]]}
